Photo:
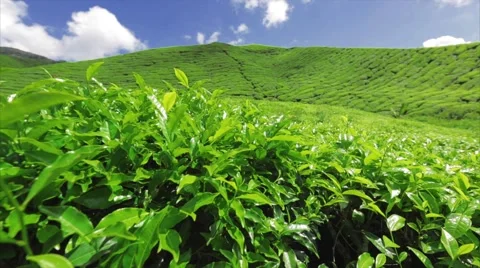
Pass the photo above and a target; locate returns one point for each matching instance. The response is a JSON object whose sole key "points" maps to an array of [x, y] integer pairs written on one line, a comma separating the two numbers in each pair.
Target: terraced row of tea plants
{"points": [[172, 175], [437, 85]]}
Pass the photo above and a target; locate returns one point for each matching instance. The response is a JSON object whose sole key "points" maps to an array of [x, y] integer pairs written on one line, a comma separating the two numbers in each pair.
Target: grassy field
{"points": [[436, 85]]}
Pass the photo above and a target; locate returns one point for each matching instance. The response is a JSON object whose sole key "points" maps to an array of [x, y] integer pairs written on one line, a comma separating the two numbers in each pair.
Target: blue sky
{"points": [[86, 29]]}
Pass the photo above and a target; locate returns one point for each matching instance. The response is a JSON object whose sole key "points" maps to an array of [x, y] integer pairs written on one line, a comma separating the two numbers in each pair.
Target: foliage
{"points": [[141, 177]]}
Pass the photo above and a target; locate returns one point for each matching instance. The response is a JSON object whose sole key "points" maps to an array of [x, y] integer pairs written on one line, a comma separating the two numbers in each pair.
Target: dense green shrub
{"points": [[147, 177]]}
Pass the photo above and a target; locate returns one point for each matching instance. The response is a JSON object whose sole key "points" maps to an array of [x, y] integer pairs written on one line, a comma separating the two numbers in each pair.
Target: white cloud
{"points": [[307, 1], [455, 3], [213, 38], [200, 38], [276, 11], [237, 42], [249, 4], [241, 29], [446, 40], [187, 37], [91, 34]]}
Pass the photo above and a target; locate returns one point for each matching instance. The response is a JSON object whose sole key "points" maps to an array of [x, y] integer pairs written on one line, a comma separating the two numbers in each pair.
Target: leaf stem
{"points": [[16, 205], [396, 251]]}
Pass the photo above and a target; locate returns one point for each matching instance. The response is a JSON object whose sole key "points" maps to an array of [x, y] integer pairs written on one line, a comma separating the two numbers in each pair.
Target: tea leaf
{"points": [[71, 219], [365, 260], [50, 261], [128, 216], [169, 100], [82, 254], [62, 164], [457, 224], [450, 244], [31, 103], [358, 193], [186, 180], [465, 249], [170, 241], [182, 78], [258, 198], [380, 260], [92, 70], [424, 259], [395, 222]]}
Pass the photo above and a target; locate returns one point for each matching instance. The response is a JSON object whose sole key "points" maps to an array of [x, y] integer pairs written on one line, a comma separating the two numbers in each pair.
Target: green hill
{"points": [[438, 85], [16, 58]]}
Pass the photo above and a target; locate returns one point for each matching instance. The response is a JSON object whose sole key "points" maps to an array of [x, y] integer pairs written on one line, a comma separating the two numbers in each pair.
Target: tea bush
{"points": [[103, 176]]}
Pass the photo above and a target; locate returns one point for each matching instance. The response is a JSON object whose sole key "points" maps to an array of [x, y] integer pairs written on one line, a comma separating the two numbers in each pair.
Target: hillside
{"points": [[16, 58], [438, 85]]}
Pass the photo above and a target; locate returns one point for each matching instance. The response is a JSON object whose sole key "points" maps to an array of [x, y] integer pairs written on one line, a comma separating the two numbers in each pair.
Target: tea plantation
{"points": [[135, 163], [436, 85]]}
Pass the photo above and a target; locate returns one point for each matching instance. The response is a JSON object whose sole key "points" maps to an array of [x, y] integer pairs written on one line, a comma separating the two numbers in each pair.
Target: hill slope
{"points": [[439, 85], [16, 58]]}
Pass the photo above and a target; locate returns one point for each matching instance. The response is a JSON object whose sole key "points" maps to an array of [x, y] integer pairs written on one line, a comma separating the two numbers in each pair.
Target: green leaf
{"points": [[402, 256], [31, 103], [289, 259], [380, 260], [116, 230], [358, 216], [96, 198], [92, 70], [186, 180], [63, 163], [424, 259], [170, 241], [225, 127], [238, 236], [389, 243], [465, 249], [239, 210], [365, 260], [377, 242], [457, 224], [182, 78], [46, 147], [13, 221], [395, 222], [450, 244], [297, 139], [50, 261], [169, 100], [358, 193], [198, 201], [5, 238], [81, 254], [129, 216], [165, 219], [71, 219], [258, 198]]}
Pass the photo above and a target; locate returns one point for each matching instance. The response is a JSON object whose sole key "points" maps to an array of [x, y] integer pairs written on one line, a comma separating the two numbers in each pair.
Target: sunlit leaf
{"points": [[182, 78], [365, 260], [92, 70], [424, 259], [395, 222], [71, 219], [31, 103], [50, 261], [449, 243]]}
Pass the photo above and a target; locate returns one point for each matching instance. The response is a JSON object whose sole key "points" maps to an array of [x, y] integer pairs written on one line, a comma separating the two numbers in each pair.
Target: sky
{"points": [[75, 30]]}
